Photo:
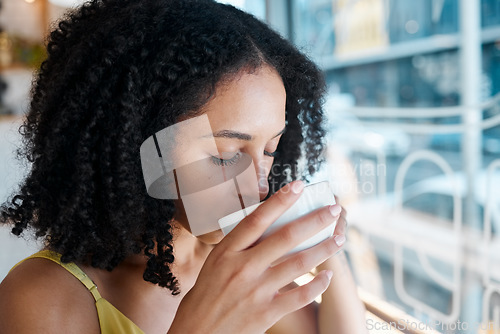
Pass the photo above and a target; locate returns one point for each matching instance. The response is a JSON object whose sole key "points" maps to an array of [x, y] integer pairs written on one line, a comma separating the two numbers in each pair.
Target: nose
{"points": [[257, 182], [263, 185], [262, 168]]}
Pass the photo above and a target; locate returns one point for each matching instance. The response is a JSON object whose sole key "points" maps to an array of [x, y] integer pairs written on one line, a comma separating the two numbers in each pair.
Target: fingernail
{"points": [[335, 209], [329, 274], [297, 187], [339, 239]]}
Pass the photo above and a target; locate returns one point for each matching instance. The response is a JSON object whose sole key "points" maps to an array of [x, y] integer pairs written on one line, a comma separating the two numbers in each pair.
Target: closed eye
{"points": [[271, 154], [226, 162]]}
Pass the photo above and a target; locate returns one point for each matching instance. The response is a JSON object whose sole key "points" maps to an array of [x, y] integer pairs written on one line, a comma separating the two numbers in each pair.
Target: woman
{"points": [[117, 72]]}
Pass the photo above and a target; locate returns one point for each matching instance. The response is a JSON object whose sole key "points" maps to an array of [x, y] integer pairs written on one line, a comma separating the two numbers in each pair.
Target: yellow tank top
{"points": [[111, 320]]}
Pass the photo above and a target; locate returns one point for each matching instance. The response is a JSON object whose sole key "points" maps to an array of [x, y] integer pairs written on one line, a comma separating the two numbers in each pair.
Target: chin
{"points": [[212, 238]]}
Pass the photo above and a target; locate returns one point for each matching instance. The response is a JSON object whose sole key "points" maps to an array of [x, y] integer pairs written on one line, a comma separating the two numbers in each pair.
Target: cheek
{"points": [[211, 192]]}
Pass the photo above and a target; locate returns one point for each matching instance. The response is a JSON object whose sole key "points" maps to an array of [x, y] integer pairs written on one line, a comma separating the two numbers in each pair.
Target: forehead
{"points": [[248, 102]]}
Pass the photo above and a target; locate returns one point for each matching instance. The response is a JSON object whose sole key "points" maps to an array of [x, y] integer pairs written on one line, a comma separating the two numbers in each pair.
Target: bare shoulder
{"points": [[39, 296]]}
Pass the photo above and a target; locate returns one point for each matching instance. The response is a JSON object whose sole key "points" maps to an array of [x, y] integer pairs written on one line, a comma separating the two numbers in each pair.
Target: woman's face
{"points": [[246, 118]]}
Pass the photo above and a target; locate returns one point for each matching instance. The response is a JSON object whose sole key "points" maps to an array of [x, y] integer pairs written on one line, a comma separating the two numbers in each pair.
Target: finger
{"points": [[341, 227], [303, 262], [338, 202], [294, 233], [344, 211], [250, 229], [301, 296]]}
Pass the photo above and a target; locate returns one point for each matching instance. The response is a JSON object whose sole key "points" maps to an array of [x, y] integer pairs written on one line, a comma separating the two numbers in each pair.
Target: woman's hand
{"points": [[237, 289], [341, 228], [340, 237], [340, 231]]}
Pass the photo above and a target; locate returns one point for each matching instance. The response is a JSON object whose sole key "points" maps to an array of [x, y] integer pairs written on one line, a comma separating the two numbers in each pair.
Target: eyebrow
{"points": [[238, 135]]}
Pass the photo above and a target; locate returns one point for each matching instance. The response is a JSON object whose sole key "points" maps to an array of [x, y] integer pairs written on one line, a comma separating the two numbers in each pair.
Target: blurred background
{"points": [[413, 152]]}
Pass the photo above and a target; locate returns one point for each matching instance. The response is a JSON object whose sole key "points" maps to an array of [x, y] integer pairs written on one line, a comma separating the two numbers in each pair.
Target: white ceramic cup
{"points": [[314, 196]]}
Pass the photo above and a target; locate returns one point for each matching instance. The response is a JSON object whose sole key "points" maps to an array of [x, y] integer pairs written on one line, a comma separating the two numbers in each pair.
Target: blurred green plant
{"points": [[23, 52], [28, 53]]}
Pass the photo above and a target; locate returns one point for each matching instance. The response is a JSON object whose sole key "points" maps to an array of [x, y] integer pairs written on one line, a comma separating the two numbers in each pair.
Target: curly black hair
{"points": [[118, 71]]}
